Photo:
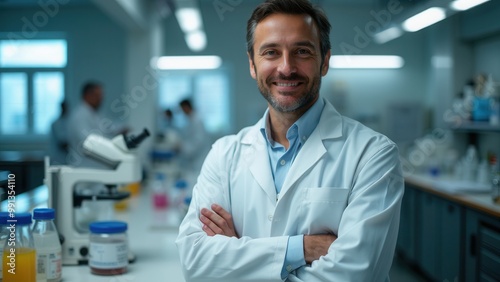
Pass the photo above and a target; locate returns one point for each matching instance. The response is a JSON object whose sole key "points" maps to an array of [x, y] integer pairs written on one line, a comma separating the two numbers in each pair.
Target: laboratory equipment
{"points": [[108, 248], [47, 245], [76, 208], [19, 256]]}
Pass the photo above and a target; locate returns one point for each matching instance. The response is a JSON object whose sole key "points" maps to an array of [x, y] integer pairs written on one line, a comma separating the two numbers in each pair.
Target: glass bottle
{"points": [[19, 255], [47, 245]]}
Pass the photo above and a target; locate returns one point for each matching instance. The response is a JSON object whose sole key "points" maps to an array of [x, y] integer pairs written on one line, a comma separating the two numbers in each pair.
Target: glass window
{"points": [[33, 53], [48, 94], [13, 103], [209, 92]]}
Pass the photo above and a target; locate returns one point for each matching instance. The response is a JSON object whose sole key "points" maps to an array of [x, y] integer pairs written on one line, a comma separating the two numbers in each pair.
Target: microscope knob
{"points": [[84, 251]]}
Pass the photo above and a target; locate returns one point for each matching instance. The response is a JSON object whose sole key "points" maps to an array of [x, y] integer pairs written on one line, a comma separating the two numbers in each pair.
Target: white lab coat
{"points": [[82, 122], [345, 180]]}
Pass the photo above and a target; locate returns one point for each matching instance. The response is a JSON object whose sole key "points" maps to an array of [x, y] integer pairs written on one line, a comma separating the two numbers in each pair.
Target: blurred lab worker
{"points": [[194, 144], [58, 144], [84, 120], [305, 194]]}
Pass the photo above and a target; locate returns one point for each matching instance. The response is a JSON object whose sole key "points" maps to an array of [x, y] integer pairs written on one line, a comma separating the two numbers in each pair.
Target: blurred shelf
{"points": [[476, 126]]}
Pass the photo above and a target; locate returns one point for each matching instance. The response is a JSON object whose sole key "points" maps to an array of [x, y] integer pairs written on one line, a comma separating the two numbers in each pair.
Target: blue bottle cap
{"points": [[4, 216], [108, 227], [20, 218], [44, 213], [181, 184], [187, 201]]}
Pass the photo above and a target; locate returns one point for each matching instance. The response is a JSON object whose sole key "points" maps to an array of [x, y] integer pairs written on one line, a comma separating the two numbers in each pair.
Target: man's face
{"points": [[95, 97], [287, 61]]}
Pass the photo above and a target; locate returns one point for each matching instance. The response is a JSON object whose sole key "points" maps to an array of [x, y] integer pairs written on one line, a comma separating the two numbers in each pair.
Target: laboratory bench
{"points": [[447, 233], [151, 237]]}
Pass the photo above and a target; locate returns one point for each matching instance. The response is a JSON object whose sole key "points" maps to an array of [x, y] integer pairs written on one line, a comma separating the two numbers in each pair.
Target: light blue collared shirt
{"points": [[281, 160]]}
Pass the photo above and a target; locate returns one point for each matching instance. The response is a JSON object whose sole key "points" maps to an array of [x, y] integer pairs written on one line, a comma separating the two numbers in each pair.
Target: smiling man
{"points": [[305, 194]]}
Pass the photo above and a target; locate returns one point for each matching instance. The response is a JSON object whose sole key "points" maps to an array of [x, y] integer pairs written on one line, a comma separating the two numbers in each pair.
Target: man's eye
{"points": [[269, 53], [303, 52]]}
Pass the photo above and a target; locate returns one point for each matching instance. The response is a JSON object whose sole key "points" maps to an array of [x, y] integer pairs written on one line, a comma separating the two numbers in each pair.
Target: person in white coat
{"points": [[303, 195], [86, 119], [194, 144]]}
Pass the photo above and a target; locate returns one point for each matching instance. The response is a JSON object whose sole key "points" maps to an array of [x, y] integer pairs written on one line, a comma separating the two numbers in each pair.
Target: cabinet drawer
{"points": [[490, 264], [490, 239]]}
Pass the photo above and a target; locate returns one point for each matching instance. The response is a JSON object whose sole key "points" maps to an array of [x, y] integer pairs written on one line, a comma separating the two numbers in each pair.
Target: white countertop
{"points": [[152, 243]]}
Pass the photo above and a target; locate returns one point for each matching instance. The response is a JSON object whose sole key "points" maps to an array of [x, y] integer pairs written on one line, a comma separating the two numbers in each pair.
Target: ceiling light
{"points": [[196, 40], [387, 35], [189, 19], [424, 19], [366, 62], [462, 5], [188, 62]]}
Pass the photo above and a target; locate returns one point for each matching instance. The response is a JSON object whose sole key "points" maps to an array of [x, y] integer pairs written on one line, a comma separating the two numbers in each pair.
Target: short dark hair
{"points": [[89, 86], [291, 7], [186, 102]]}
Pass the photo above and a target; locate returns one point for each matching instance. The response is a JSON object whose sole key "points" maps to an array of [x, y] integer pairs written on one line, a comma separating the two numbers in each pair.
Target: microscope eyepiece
{"points": [[133, 141]]}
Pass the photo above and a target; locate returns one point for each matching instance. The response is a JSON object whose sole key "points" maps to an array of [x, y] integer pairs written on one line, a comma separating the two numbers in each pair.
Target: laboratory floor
{"points": [[402, 272]]}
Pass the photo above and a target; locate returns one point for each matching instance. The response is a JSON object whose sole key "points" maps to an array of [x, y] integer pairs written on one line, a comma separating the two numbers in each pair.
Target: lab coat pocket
{"points": [[322, 209]]}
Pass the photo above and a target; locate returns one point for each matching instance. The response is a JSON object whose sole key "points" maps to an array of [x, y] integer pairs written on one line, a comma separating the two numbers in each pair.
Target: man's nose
{"points": [[287, 64]]}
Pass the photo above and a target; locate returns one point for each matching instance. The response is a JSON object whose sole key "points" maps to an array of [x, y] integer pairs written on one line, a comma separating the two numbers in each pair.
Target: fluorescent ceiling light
{"points": [[462, 5], [189, 19], [366, 62], [188, 62], [424, 19], [387, 35], [196, 40]]}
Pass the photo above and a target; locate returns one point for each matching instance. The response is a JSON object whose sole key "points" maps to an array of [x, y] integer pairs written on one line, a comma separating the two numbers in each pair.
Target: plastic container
{"points": [[180, 193], [4, 234], [108, 253], [19, 256], [47, 245]]}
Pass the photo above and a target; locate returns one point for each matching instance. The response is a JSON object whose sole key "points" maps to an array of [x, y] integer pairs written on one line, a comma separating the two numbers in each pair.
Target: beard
{"points": [[302, 101]]}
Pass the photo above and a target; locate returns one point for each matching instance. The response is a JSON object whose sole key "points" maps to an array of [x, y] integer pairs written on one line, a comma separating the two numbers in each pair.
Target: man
{"points": [[303, 195], [194, 146], [86, 120]]}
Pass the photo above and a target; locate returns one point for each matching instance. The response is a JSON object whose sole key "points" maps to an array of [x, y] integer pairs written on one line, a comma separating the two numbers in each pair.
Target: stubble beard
{"points": [[303, 101]]}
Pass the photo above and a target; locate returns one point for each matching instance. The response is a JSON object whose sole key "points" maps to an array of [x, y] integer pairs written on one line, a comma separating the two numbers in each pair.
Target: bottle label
{"points": [[49, 263], [108, 255]]}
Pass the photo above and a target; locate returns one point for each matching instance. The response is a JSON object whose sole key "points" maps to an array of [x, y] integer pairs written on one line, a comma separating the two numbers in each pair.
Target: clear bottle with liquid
{"points": [[180, 193], [160, 192], [19, 255], [47, 245]]}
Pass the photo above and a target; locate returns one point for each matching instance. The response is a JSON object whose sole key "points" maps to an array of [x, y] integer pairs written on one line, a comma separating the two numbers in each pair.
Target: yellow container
{"points": [[21, 267]]}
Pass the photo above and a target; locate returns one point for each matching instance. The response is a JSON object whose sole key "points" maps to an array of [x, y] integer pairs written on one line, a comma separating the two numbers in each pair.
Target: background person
{"points": [[305, 194], [58, 144]]}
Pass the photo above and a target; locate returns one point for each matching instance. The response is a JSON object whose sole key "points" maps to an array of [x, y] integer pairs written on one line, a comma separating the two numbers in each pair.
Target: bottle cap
{"points": [[108, 227], [44, 213], [21, 218], [187, 201], [181, 184]]}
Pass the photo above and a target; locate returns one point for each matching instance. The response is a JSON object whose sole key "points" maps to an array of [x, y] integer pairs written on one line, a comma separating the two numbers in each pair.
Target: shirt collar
{"points": [[304, 126]]}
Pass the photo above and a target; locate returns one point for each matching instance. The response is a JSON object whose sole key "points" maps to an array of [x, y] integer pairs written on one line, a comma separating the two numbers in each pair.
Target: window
{"points": [[207, 89], [31, 85]]}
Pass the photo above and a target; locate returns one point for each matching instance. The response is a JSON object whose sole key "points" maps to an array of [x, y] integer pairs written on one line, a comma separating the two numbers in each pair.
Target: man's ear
{"points": [[252, 66], [326, 63]]}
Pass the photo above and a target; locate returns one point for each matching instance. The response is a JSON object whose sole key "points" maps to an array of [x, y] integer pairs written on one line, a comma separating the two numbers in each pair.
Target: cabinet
{"points": [[431, 234], [482, 256]]}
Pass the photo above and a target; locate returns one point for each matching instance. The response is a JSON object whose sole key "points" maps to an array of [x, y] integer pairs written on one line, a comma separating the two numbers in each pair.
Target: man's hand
{"points": [[316, 246], [217, 221]]}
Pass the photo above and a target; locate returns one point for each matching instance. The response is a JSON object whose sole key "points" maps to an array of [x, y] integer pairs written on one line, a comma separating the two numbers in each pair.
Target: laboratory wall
{"points": [[96, 51], [359, 94]]}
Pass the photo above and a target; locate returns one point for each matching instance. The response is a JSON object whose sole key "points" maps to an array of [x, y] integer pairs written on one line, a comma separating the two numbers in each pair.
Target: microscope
{"points": [[69, 199]]}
